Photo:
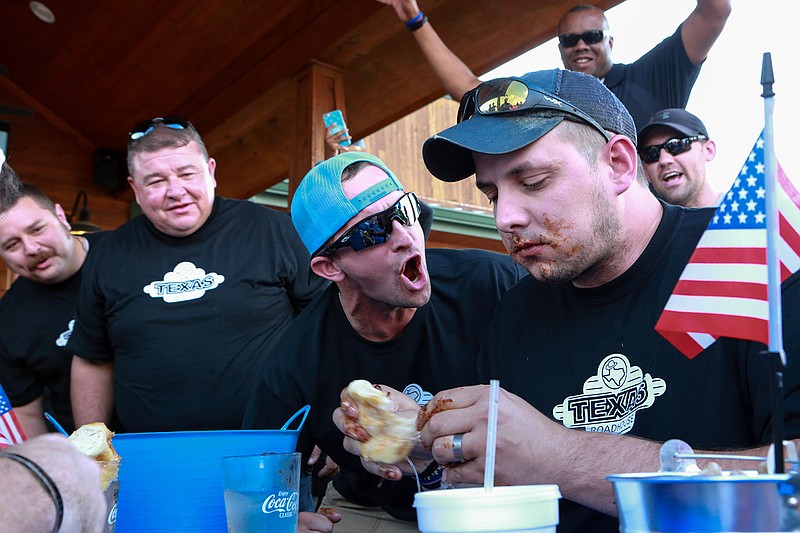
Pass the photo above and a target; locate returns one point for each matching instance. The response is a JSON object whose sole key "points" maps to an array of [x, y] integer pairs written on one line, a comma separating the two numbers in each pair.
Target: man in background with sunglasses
{"points": [[675, 147], [589, 387], [395, 314], [179, 306], [660, 79]]}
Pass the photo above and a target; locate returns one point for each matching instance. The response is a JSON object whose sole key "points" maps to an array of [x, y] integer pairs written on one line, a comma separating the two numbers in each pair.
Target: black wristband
{"points": [[418, 24], [432, 476], [46, 481]]}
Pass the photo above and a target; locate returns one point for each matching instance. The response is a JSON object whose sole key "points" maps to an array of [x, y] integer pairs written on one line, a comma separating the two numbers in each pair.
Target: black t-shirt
{"points": [[37, 321], [662, 78], [321, 353], [187, 320], [591, 360]]}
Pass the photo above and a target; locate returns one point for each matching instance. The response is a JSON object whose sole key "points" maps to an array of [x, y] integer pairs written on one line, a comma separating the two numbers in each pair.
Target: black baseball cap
{"points": [[677, 119], [448, 154]]}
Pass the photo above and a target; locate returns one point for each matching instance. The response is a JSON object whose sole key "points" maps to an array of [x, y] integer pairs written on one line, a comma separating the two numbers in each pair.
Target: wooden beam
{"points": [[319, 88]]}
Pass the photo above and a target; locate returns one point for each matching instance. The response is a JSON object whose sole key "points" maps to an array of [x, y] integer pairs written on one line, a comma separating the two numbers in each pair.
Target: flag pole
{"points": [[776, 352]]}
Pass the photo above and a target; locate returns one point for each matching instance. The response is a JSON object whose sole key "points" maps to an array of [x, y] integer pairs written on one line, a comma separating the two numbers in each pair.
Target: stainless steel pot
{"points": [[686, 502]]}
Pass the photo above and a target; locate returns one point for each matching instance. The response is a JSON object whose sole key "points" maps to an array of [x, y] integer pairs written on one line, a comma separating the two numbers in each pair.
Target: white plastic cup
{"points": [[515, 509], [262, 492]]}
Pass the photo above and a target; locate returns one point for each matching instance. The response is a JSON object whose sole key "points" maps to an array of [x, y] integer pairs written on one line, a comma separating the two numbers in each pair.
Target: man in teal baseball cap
{"points": [[396, 314]]}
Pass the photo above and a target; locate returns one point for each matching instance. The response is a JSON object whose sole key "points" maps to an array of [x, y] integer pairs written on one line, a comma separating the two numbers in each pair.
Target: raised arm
{"points": [[453, 74], [91, 391], [701, 29]]}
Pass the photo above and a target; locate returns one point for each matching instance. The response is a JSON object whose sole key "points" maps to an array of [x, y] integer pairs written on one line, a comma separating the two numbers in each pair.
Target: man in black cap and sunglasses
{"points": [[589, 388], [675, 147], [179, 306], [395, 314], [661, 78]]}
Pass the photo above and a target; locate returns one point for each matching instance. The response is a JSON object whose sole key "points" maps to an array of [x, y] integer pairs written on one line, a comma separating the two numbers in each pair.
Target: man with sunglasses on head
{"points": [[661, 78], [395, 314], [675, 147], [179, 306], [589, 387]]}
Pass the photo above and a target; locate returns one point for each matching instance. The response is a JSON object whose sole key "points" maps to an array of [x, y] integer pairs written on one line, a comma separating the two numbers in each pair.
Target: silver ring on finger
{"points": [[458, 453]]}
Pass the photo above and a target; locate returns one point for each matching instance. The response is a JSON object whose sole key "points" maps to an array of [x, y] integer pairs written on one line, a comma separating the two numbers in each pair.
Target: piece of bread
{"points": [[392, 437], [94, 440]]}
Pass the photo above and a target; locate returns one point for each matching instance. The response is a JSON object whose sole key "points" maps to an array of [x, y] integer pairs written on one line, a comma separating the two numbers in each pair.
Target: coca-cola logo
{"points": [[283, 502], [112, 516]]}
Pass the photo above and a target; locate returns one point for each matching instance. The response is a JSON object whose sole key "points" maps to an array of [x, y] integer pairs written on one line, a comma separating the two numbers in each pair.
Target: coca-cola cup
{"points": [[109, 478], [261, 492], [517, 509]]}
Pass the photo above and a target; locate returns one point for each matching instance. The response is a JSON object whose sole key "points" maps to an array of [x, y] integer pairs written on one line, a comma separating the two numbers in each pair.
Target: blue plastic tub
{"points": [[172, 481]]}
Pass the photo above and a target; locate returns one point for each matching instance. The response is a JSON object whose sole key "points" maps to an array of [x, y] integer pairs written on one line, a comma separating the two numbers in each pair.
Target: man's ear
{"points": [[326, 267], [621, 157], [711, 150]]}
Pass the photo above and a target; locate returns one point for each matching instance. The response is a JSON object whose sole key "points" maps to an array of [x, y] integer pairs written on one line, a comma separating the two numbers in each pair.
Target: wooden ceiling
{"points": [[229, 66]]}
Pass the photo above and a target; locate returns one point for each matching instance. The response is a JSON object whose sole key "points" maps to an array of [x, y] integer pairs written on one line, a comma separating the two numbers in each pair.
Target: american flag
{"points": [[10, 430], [722, 292]]}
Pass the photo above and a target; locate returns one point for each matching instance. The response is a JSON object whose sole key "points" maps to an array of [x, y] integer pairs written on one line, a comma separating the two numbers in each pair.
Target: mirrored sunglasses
{"points": [[143, 128], [651, 154], [509, 95], [376, 229], [568, 40]]}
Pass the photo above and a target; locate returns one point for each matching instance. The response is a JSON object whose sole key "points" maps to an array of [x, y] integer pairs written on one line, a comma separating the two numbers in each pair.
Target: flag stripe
{"points": [[755, 256], [718, 306], [10, 430], [712, 272], [686, 287], [738, 327], [732, 237]]}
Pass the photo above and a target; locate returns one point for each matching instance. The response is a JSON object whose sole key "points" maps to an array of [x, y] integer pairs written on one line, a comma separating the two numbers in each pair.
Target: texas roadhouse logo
{"points": [[185, 282], [611, 398]]}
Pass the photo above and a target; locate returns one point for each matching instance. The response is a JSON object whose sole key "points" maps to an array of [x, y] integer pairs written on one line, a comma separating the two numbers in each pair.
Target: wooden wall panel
{"points": [[399, 145]]}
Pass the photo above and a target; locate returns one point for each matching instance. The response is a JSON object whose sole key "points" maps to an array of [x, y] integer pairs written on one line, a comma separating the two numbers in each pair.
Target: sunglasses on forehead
{"points": [[651, 154], [568, 40], [143, 128], [509, 95], [376, 229]]}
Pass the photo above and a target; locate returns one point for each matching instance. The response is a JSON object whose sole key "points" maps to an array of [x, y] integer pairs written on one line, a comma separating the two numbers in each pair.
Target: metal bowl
{"points": [[682, 502]]}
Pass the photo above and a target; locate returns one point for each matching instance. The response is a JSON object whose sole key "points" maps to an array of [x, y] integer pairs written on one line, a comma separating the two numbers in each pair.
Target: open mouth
{"points": [[411, 270], [671, 176]]}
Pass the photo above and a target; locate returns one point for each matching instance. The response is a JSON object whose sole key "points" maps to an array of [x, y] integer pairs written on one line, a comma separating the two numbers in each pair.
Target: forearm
{"points": [[26, 505], [31, 418], [586, 459], [703, 26], [92, 391], [455, 76], [582, 473], [29, 504]]}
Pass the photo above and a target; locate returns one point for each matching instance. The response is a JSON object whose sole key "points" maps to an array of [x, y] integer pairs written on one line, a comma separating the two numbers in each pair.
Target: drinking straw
{"points": [[491, 435], [56, 425]]}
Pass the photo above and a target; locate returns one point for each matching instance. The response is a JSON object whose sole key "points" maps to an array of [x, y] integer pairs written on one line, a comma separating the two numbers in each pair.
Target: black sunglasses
{"points": [[651, 154], [376, 229], [568, 40], [508, 95], [143, 128]]}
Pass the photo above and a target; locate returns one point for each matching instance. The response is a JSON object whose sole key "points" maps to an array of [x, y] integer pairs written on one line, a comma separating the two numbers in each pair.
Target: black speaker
{"points": [[109, 170]]}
